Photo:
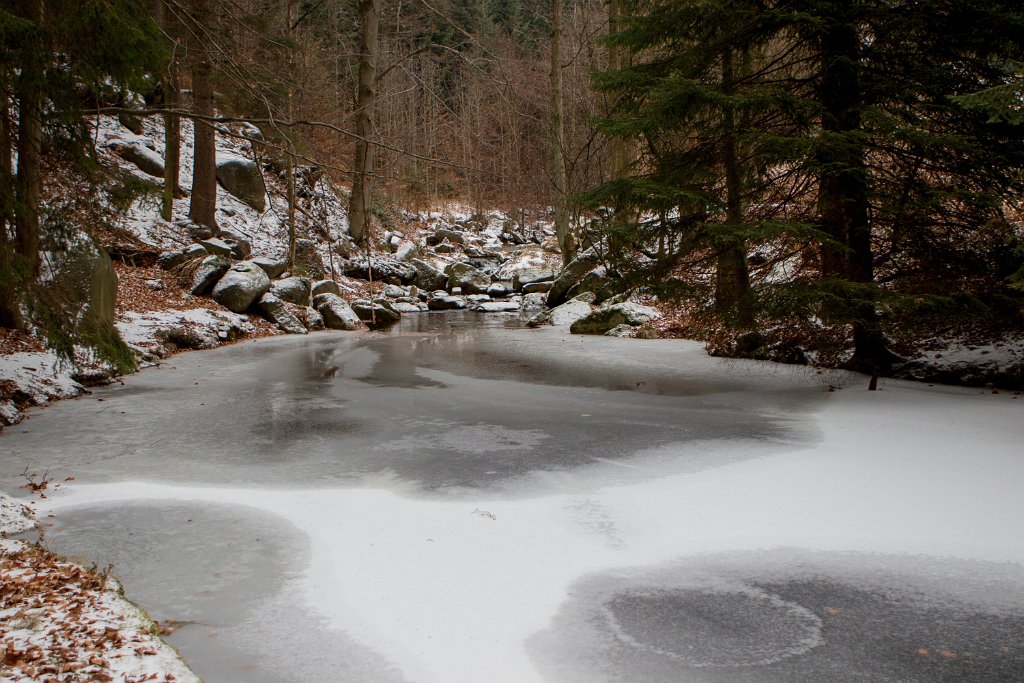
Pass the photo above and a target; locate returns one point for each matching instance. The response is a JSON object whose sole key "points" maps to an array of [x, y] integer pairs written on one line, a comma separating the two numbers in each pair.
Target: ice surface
{"points": [[637, 499]]}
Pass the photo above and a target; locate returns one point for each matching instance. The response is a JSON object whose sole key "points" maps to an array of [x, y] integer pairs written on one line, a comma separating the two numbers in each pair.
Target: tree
{"points": [[203, 206], [363, 163], [558, 172]]}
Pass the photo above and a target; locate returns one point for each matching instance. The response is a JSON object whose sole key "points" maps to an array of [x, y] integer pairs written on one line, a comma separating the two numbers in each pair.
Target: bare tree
{"points": [[203, 207], [359, 206]]}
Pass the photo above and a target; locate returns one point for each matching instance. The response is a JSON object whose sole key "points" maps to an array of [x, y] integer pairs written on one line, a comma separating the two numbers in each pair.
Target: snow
{"points": [[39, 374], [450, 589]]}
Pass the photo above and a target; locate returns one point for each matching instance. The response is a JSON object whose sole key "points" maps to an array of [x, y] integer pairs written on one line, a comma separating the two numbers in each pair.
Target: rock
{"points": [[294, 290], [497, 291], [566, 314], [393, 242], [241, 248], [427, 276], [442, 234], [482, 254], [227, 210], [216, 246], [308, 259], [405, 251], [208, 273], [572, 273], [395, 291], [243, 284], [314, 321], [607, 317], [537, 287], [147, 161], [496, 307], [274, 310], [620, 331], [376, 314], [535, 302], [600, 283], [337, 313], [406, 307], [478, 298], [250, 132], [243, 179], [198, 232], [272, 267], [325, 287], [526, 276], [442, 301], [84, 276], [132, 122], [444, 249], [171, 259], [394, 272], [467, 278]]}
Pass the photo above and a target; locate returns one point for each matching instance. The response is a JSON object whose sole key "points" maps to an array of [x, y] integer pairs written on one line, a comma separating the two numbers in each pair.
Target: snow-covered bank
{"points": [[452, 588]]}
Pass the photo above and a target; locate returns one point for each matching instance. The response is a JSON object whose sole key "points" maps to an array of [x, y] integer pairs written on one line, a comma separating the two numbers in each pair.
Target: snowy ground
{"points": [[902, 503]]}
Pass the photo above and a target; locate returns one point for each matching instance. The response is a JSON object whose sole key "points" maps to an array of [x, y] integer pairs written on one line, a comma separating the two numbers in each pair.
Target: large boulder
{"points": [[308, 260], [392, 272], [325, 287], [337, 314], [469, 279], [608, 317], [566, 314], [526, 276], [572, 273], [271, 266], [496, 307], [314, 321], [598, 281], [294, 290], [208, 273], [217, 247], [84, 275], [427, 276], [376, 314], [243, 179], [442, 301], [274, 310], [147, 161], [243, 284]]}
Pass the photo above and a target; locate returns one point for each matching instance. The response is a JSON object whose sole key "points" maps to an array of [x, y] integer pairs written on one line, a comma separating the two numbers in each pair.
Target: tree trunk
{"points": [[29, 183], [732, 283], [558, 173], [290, 183], [843, 190], [172, 123], [203, 207], [362, 167]]}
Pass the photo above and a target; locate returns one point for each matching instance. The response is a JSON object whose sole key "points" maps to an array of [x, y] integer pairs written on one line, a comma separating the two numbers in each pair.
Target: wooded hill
{"points": [[808, 172]]}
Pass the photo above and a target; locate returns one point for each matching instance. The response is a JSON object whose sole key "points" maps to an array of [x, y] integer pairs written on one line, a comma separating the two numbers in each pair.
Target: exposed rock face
{"points": [[208, 273], [85, 275], [308, 259], [570, 275], [147, 161], [427, 276], [600, 283], [469, 279], [566, 314], [393, 272], [294, 290], [376, 314], [274, 310], [243, 284], [338, 315], [604, 319], [272, 267], [243, 179], [314, 321], [325, 287]]}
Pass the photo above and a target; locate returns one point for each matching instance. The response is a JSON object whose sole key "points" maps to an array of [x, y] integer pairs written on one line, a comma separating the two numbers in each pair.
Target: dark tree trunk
{"points": [[732, 282], [359, 206], [29, 183], [203, 206], [843, 188], [172, 123]]}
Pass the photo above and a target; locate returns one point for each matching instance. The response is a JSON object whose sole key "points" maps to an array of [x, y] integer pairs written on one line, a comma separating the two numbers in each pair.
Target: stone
{"points": [[444, 249], [469, 279], [623, 331], [566, 314], [145, 159], [478, 298], [132, 122], [241, 248], [572, 273], [294, 290], [407, 307], [337, 313], [535, 302], [171, 259], [274, 310], [442, 234], [537, 287], [207, 274], [243, 179], [405, 251], [242, 285], [314, 321], [216, 246], [525, 276], [325, 287], [250, 132], [482, 254], [394, 272], [600, 283], [376, 314], [607, 317], [198, 232], [395, 291], [308, 260], [497, 307], [441, 301], [84, 275], [427, 276], [272, 267], [497, 291]]}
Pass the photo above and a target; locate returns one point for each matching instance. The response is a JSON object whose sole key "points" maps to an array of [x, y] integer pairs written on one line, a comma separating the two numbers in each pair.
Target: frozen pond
{"points": [[465, 500]]}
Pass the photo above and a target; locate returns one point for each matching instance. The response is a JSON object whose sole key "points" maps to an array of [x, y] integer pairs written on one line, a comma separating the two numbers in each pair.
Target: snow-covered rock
{"points": [[243, 284], [244, 179]]}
